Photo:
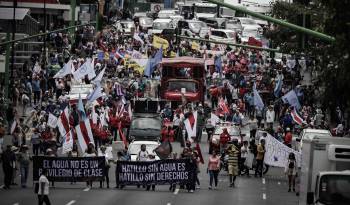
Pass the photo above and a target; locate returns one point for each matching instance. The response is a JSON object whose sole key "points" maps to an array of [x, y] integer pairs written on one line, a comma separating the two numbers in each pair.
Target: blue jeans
{"points": [[213, 174], [24, 175]]}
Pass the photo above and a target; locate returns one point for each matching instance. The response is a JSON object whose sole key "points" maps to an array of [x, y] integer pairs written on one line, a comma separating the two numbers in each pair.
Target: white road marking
{"points": [[279, 183], [264, 196], [263, 180], [87, 189], [176, 191], [168, 203], [71, 202], [16, 204]]}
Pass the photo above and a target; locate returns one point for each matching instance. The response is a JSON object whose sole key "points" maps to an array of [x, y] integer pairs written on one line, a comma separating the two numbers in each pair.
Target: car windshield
{"points": [[197, 25], [232, 25], [210, 10], [334, 190], [176, 86], [135, 148], [146, 123], [250, 33], [247, 21], [146, 21], [231, 34], [161, 25]]}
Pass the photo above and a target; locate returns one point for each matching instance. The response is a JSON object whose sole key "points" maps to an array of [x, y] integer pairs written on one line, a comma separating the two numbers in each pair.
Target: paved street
{"points": [[271, 190]]}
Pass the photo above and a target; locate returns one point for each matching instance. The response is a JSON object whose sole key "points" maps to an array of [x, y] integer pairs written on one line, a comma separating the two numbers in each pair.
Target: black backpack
{"points": [[291, 164]]}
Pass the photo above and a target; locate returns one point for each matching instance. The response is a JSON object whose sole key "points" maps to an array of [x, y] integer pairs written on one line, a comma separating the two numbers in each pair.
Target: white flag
{"points": [[214, 119], [13, 127], [95, 94], [85, 69], [138, 38], [292, 98], [52, 121], [99, 77], [66, 70], [67, 145], [277, 153]]}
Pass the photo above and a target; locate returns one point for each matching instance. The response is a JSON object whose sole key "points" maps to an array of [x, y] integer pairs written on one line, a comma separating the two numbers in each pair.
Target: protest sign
{"points": [[168, 171], [63, 169], [277, 153]]}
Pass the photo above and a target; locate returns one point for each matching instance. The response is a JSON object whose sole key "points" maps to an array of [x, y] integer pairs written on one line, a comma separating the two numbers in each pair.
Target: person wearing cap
{"points": [[24, 161], [8, 159]]}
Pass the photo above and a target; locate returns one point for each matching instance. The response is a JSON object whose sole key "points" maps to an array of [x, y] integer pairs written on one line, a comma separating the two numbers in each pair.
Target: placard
{"points": [[167, 171], [63, 169]]}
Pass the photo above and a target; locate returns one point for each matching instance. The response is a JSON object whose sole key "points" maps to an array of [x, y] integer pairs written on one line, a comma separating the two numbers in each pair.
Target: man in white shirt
{"points": [[270, 117], [43, 191]]}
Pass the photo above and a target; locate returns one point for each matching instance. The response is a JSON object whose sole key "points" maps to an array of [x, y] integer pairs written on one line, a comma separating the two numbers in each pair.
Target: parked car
{"points": [[166, 13], [234, 25], [250, 32], [193, 27], [135, 147], [126, 26], [160, 24], [234, 131], [216, 23], [223, 35], [145, 23], [251, 23]]}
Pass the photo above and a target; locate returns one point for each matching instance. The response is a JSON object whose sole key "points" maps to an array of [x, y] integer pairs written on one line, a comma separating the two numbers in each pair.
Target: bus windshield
{"points": [[178, 85]]}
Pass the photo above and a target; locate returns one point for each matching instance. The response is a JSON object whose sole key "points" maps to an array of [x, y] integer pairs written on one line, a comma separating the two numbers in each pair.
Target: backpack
{"points": [[291, 164]]}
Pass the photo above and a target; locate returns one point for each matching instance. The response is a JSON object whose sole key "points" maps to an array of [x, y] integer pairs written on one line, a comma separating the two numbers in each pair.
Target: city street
{"points": [[269, 190]]}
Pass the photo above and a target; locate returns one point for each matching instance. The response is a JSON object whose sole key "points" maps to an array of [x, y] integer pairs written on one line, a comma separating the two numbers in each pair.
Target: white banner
{"points": [[52, 121], [277, 153]]}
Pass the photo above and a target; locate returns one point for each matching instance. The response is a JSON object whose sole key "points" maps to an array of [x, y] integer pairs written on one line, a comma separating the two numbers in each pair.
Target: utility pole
{"points": [[45, 28], [13, 44], [73, 5]]}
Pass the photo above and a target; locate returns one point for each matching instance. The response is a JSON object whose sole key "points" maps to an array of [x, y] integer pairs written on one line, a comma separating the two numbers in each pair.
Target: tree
{"points": [[331, 59]]}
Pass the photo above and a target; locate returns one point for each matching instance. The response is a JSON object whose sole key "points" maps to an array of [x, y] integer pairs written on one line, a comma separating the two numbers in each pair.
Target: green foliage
{"points": [[332, 60]]}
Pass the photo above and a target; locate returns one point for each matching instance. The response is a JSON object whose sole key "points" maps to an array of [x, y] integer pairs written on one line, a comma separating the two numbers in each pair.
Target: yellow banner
{"points": [[158, 42], [195, 46]]}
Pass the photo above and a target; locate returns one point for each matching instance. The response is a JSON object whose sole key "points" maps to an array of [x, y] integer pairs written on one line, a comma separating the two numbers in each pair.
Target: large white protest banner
{"points": [[277, 153]]}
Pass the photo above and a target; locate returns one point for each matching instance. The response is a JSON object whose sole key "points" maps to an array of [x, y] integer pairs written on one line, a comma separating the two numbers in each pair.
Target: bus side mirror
{"points": [[310, 198]]}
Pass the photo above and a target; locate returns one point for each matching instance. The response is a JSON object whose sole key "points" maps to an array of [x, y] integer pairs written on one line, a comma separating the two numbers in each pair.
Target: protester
{"points": [[43, 190], [291, 171], [24, 161], [233, 161], [213, 169], [108, 160], [260, 158], [8, 159]]}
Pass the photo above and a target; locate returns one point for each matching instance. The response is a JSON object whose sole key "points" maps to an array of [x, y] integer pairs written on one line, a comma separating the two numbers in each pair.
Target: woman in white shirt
{"points": [[108, 159], [43, 191]]}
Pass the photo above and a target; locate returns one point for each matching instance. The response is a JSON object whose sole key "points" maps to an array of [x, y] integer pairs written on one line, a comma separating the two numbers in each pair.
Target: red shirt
{"points": [[288, 138], [224, 138]]}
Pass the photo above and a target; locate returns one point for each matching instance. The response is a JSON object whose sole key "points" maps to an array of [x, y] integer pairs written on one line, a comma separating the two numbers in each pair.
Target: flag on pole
{"points": [[291, 98], [191, 125], [159, 42], [223, 106], [63, 128], [297, 118], [52, 121], [153, 62], [138, 38], [67, 69], [81, 109], [164, 150], [84, 134], [85, 69], [95, 94], [118, 56], [257, 99], [278, 87], [99, 77]]}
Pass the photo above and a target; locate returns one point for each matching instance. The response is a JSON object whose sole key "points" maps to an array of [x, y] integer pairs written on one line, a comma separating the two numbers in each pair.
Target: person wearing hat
{"points": [[24, 160], [8, 159]]}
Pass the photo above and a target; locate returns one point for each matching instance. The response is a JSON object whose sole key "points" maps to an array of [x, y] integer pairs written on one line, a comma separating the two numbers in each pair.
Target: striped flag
{"points": [[191, 125], [63, 127], [81, 109], [84, 134], [297, 118], [223, 106], [278, 87], [118, 56], [118, 89]]}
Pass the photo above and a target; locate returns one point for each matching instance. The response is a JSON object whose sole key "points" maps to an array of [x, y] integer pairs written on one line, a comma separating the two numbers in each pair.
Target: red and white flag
{"points": [[297, 118], [191, 125], [223, 106], [63, 128], [84, 134]]}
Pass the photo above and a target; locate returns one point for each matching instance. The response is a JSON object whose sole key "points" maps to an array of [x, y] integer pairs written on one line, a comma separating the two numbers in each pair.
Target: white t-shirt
{"points": [[143, 156], [43, 179]]}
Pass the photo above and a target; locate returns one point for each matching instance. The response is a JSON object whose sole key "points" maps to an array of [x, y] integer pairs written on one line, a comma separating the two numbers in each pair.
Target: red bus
{"points": [[183, 75]]}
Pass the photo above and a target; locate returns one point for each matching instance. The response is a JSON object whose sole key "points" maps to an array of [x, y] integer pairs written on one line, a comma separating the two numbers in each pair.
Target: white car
{"points": [[251, 23], [135, 148], [160, 24], [233, 130], [223, 35], [167, 13], [125, 26], [250, 32]]}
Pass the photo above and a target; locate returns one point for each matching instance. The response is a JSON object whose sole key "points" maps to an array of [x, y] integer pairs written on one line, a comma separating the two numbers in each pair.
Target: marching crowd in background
{"points": [[243, 87]]}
